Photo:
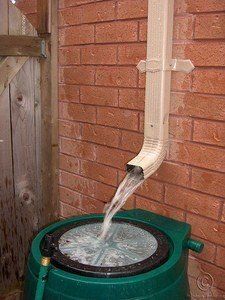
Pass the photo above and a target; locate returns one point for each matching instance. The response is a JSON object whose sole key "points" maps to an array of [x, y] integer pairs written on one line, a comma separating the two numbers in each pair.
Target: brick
{"points": [[173, 173], [181, 81], [209, 81], [99, 12], [208, 182], [77, 112], [69, 163], [90, 13], [96, 95], [209, 132], [132, 9], [131, 141], [69, 129], [70, 197], [69, 3], [69, 93], [132, 98], [69, 56], [209, 250], [141, 80], [183, 27], [92, 206], [220, 254], [198, 155], [202, 54], [78, 149], [104, 192], [131, 54], [77, 183], [141, 122], [115, 32], [197, 6], [188, 200], [76, 35], [180, 128], [80, 201], [99, 55], [143, 31], [71, 16], [116, 76], [159, 208], [117, 117], [87, 186], [223, 213], [152, 189], [209, 26], [101, 135], [196, 105], [208, 275], [113, 157], [210, 230], [99, 172], [67, 211], [180, 6], [78, 75]]}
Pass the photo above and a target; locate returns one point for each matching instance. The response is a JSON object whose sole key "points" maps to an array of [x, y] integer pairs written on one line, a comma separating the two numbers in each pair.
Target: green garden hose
{"points": [[42, 278]]}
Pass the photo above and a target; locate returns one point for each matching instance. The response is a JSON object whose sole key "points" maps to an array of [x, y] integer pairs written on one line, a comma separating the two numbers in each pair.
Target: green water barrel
{"points": [[168, 280]]}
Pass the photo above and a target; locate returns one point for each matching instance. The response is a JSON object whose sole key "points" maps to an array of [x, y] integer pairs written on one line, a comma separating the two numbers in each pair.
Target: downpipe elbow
{"points": [[150, 157]]}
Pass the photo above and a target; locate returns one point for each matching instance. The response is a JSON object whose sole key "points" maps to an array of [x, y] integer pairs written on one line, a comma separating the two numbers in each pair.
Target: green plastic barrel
{"points": [[168, 281]]}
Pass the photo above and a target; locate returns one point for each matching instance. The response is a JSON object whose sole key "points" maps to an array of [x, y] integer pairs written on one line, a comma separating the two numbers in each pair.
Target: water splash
{"points": [[126, 188]]}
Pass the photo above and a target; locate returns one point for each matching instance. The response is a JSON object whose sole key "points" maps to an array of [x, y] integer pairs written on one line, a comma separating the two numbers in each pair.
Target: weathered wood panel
{"points": [[28, 153], [44, 16], [19, 188], [21, 46], [8, 244], [9, 67], [49, 108], [24, 162]]}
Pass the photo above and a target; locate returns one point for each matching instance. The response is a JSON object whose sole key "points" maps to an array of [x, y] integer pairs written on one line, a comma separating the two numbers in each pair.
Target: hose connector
{"points": [[194, 245]]}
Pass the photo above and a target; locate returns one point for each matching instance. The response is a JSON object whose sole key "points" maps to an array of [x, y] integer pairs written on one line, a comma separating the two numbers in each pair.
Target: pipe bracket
{"points": [[155, 65], [182, 65]]}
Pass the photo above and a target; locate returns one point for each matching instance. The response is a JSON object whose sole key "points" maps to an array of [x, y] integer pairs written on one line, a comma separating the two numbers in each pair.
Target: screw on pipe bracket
{"points": [[155, 65]]}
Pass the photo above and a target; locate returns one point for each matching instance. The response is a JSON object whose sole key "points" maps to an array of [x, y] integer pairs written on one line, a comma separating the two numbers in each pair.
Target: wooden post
{"points": [[47, 23], [44, 25]]}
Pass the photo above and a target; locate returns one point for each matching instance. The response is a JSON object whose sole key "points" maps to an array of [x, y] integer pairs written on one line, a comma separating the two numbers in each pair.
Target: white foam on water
{"points": [[125, 244], [126, 188]]}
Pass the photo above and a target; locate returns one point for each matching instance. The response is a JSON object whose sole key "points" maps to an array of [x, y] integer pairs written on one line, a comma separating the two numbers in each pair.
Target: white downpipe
{"points": [[158, 67]]}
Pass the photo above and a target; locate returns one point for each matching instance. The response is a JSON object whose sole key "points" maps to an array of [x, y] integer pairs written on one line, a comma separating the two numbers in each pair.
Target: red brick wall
{"points": [[101, 119]]}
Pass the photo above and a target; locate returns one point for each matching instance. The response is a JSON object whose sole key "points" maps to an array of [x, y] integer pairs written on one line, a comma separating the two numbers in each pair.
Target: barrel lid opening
{"points": [[130, 248]]}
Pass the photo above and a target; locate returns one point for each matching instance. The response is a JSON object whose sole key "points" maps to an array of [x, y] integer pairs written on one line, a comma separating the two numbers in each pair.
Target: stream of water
{"points": [[126, 188], [109, 244]]}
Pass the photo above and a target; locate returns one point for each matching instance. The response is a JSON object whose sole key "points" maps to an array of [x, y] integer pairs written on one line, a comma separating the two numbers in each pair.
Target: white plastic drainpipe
{"points": [[158, 67]]}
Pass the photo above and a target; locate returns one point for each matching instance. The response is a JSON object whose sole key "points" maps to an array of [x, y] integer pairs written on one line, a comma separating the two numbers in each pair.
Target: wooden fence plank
{"points": [[8, 243], [9, 67], [22, 93], [29, 183], [11, 45], [24, 162]]}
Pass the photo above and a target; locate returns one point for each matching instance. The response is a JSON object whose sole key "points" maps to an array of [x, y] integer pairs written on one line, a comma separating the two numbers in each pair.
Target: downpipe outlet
{"points": [[158, 67]]}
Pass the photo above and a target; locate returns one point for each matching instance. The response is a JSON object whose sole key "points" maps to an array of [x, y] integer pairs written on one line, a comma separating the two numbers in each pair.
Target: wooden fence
{"points": [[28, 134]]}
